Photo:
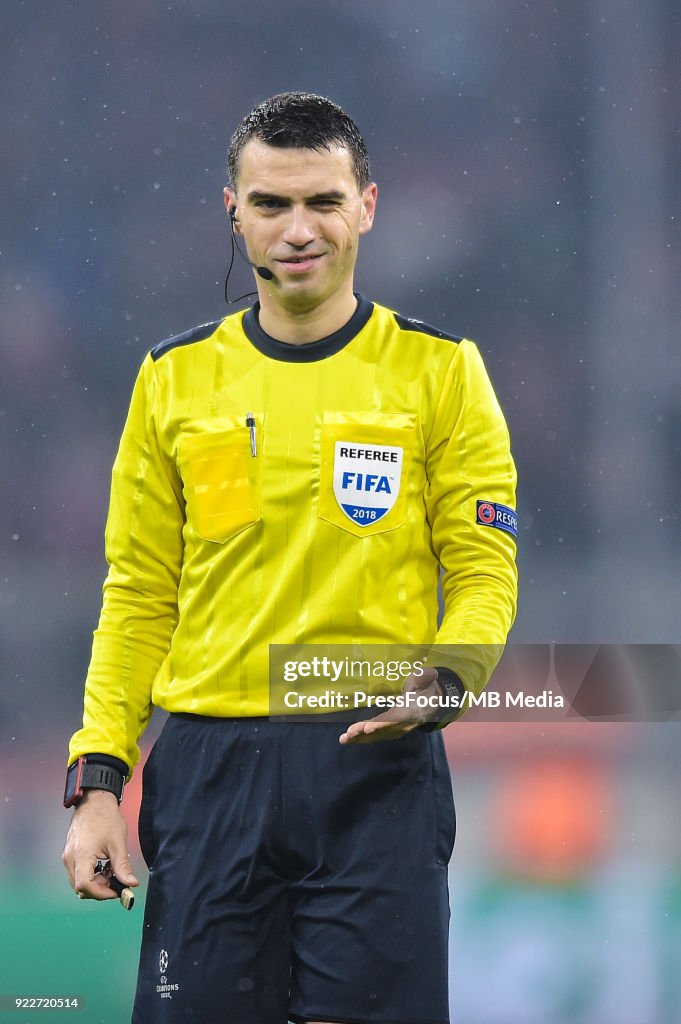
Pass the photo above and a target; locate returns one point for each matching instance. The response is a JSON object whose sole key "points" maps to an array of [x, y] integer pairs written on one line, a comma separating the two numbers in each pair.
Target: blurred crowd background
{"points": [[528, 156]]}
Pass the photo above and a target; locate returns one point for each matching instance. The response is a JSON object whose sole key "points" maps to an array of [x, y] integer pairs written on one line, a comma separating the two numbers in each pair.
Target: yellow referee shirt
{"points": [[266, 493]]}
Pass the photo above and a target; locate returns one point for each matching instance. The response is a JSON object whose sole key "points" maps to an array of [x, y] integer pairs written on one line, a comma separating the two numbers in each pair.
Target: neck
{"points": [[302, 326]]}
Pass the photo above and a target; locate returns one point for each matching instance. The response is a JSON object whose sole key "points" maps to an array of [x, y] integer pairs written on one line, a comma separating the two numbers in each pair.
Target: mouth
{"points": [[299, 264]]}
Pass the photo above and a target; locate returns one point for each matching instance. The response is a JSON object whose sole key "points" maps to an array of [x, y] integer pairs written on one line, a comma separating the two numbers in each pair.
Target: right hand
{"points": [[97, 832]]}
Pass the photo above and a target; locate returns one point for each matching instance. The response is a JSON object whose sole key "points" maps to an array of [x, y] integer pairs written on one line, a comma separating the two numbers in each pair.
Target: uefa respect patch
{"points": [[366, 479], [491, 513]]}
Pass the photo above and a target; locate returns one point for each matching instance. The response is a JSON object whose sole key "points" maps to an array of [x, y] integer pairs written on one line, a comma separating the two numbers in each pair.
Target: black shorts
{"points": [[292, 877]]}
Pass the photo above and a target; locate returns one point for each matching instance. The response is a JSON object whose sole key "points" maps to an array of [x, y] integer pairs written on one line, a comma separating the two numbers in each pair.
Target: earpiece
{"points": [[264, 272]]}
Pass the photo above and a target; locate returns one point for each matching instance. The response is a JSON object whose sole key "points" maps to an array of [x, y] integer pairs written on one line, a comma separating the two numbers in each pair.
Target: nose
{"points": [[299, 228]]}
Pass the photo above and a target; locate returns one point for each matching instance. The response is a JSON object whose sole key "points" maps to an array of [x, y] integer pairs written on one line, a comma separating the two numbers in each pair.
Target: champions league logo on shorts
{"points": [[366, 479], [166, 988]]}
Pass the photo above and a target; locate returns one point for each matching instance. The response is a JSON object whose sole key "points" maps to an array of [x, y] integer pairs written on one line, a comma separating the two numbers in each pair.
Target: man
{"points": [[294, 474]]}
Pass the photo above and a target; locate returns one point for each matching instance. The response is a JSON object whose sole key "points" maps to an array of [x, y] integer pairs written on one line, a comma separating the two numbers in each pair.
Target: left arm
{"points": [[471, 482], [470, 493]]}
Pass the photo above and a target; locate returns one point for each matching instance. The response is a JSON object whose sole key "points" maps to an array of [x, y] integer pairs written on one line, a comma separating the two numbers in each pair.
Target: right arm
{"points": [[139, 613]]}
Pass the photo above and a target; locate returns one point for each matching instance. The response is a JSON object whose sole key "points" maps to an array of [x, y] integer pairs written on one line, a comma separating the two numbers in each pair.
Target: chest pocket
{"points": [[365, 460], [222, 480]]}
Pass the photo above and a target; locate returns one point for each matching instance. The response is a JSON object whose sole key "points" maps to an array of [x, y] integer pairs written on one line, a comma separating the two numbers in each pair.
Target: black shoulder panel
{"points": [[405, 323], [188, 338]]}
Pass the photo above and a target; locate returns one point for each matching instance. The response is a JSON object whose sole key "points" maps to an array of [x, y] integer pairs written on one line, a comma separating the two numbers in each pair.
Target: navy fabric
{"points": [[294, 878]]}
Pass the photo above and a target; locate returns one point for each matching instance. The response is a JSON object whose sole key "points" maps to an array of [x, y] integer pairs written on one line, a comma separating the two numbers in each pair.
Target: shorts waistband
{"points": [[356, 715]]}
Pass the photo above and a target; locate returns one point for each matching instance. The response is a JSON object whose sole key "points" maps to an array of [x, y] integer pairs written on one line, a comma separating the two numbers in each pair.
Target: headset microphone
{"points": [[264, 272]]}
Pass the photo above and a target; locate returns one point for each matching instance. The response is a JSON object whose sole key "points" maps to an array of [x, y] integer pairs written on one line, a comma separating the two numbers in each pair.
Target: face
{"points": [[301, 214]]}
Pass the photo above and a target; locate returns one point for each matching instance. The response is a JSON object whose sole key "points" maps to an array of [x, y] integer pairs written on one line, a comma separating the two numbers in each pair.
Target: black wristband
{"points": [[93, 771], [110, 761]]}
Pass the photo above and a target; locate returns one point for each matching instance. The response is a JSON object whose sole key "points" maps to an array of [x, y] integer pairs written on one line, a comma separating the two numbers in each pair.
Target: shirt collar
{"points": [[314, 350]]}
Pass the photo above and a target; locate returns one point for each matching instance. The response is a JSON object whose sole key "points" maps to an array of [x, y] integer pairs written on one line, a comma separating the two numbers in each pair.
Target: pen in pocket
{"points": [[250, 423]]}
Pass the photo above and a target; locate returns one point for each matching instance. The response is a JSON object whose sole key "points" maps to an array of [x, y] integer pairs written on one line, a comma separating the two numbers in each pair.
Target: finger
{"points": [[365, 726], [373, 731], [362, 737], [83, 873], [69, 866], [377, 736], [394, 716], [97, 892], [374, 725], [86, 883], [427, 676], [388, 731], [353, 730], [124, 893], [121, 889], [94, 887], [121, 866]]}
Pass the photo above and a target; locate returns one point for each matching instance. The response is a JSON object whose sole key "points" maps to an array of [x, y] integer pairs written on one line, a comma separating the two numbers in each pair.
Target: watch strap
{"points": [[451, 687], [88, 773]]}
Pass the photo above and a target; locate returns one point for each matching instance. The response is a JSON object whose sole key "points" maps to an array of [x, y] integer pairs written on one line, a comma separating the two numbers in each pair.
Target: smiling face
{"points": [[301, 213]]}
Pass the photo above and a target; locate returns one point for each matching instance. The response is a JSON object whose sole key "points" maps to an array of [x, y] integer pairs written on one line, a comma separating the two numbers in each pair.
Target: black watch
{"points": [[453, 689], [451, 686], [86, 773]]}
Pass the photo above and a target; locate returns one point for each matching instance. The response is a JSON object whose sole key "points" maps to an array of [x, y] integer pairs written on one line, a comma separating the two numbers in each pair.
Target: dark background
{"points": [[528, 158]]}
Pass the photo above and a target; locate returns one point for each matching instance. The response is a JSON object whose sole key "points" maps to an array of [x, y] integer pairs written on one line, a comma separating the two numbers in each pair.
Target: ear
{"points": [[369, 197], [230, 206]]}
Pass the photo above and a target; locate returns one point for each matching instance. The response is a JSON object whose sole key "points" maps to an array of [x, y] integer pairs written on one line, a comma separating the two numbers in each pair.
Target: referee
{"points": [[298, 473]]}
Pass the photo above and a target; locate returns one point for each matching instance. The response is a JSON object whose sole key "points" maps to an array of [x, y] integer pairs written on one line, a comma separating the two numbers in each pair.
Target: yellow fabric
{"points": [[214, 554]]}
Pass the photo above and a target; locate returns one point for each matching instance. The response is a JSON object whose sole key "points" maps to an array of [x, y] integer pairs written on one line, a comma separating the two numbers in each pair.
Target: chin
{"points": [[301, 295]]}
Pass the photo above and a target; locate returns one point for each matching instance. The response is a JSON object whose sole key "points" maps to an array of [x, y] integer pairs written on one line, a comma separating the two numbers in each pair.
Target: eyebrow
{"points": [[256, 196]]}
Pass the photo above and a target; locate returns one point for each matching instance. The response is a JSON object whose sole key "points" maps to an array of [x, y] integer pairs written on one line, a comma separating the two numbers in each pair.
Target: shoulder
{"points": [[411, 325], [190, 337]]}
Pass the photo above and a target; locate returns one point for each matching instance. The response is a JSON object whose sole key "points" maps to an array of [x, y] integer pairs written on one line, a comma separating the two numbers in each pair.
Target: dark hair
{"points": [[300, 120]]}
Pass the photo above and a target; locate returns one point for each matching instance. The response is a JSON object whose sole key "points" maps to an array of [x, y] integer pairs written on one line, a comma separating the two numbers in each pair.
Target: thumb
{"points": [[428, 675], [422, 681], [122, 868]]}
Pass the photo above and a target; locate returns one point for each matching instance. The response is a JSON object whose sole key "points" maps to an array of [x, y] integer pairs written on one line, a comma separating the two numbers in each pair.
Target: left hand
{"points": [[397, 721]]}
